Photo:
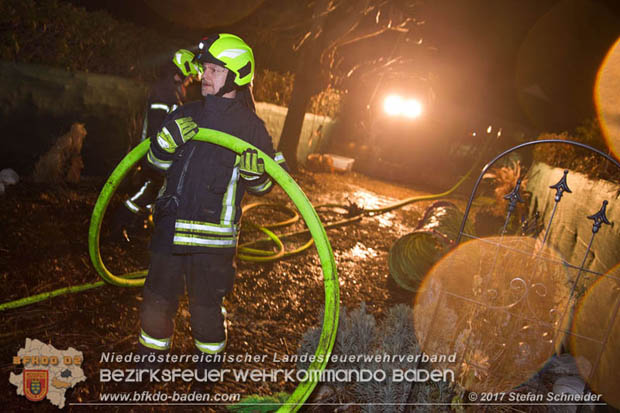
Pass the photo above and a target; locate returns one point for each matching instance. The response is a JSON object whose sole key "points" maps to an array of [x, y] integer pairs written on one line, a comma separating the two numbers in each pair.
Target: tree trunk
{"points": [[310, 78], [291, 132]]}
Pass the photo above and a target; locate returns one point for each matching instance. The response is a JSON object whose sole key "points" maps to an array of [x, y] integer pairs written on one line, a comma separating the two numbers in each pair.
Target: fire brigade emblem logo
{"points": [[35, 384], [47, 372]]}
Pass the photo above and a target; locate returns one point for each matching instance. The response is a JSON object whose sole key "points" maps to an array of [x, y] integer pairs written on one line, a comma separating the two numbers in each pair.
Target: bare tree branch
{"points": [[360, 37], [301, 42]]}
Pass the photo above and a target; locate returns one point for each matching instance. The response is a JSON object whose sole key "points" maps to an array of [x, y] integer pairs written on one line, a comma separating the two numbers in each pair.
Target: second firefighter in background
{"points": [[166, 94]]}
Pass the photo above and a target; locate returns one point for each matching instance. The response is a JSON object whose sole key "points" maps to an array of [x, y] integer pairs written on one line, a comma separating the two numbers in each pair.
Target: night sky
{"points": [[526, 63]]}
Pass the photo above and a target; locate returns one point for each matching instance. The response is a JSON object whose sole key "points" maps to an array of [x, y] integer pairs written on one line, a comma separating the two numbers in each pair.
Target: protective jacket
{"points": [[199, 210]]}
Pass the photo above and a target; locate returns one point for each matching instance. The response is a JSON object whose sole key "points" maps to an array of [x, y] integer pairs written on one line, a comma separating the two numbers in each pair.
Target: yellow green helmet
{"points": [[186, 62], [229, 51]]}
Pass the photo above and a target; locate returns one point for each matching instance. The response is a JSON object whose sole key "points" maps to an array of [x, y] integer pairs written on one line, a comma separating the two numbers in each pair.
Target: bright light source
{"points": [[412, 108], [395, 105]]}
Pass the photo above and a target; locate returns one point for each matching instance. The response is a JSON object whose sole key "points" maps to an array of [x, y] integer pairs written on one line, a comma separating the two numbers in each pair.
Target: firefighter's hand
{"points": [[176, 132], [187, 127], [251, 166]]}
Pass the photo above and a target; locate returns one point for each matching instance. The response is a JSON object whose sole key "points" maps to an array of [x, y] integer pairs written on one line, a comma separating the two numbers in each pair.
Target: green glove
{"points": [[251, 166], [175, 133], [187, 128]]}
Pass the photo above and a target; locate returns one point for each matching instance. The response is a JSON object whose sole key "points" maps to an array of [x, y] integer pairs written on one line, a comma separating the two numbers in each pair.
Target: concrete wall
{"points": [[571, 231], [315, 132]]}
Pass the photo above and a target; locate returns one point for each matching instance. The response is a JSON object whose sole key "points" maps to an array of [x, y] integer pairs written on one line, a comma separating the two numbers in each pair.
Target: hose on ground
{"points": [[245, 250]]}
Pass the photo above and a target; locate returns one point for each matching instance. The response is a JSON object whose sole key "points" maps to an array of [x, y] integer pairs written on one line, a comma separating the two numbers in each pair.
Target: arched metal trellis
{"points": [[487, 316]]}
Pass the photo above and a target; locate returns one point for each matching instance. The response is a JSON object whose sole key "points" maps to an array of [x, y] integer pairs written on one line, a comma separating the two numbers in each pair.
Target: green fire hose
{"points": [[330, 277], [316, 230], [244, 251]]}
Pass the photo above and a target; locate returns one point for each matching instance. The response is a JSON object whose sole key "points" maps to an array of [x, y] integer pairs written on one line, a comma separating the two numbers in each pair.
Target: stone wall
{"points": [[571, 231]]}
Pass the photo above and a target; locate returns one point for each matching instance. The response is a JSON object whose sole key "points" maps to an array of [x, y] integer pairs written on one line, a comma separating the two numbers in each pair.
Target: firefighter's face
{"points": [[213, 79]]}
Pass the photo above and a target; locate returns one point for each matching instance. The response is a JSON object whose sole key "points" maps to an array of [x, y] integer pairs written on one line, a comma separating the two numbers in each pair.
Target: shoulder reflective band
{"points": [[279, 175], [160, 106]]}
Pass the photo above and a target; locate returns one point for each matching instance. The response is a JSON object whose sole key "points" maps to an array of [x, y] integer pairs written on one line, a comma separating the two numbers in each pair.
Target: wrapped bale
{"points": [[413, 255]]}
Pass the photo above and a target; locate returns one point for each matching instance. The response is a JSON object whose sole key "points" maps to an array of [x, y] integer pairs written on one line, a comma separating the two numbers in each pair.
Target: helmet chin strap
{"points": [[229, 85]]}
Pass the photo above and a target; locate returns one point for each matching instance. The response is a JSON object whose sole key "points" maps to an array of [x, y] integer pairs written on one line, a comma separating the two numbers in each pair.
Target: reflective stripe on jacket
{"points": [[199, 210]]}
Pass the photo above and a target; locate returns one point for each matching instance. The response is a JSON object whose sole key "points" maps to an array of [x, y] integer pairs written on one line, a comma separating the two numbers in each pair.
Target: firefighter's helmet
{"points": [[229, 51], [186, 62]]}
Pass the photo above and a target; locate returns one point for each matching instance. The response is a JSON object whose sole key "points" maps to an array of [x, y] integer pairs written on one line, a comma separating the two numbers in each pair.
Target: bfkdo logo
{"points": [[47, 372], [36, 384]]}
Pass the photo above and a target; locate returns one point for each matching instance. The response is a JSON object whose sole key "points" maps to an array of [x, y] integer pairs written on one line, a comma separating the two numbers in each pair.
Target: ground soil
{"points": [[44, 247]]}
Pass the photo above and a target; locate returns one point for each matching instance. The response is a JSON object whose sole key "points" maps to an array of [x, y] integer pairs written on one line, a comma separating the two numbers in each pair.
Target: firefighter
{"points": [[197, 216], [168, 93]]}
